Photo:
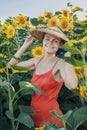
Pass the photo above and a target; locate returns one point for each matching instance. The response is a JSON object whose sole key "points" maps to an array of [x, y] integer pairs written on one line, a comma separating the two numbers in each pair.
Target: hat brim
{"points": [[38, 34]]}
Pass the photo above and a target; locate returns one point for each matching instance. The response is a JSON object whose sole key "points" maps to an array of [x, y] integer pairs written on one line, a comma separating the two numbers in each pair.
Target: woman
{"points": [[49, 75]]}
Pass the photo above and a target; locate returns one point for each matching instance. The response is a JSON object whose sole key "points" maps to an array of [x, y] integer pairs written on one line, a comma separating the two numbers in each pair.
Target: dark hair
{"points": [[43, 35], [60, 53]]}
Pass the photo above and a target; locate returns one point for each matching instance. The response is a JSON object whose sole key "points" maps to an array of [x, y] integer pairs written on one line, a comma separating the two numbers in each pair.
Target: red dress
{"points": [[44, 104]]}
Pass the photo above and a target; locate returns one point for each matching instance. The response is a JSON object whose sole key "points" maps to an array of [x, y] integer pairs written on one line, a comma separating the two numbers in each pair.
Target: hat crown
{"points": [[56, 29]]}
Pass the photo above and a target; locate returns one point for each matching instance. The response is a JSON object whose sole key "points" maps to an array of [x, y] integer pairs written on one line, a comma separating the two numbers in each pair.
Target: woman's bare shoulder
{"points": [[36, 59], [61, 62]]}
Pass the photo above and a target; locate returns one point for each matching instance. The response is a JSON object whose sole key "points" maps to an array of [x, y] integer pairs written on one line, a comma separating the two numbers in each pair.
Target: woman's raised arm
{"points": [[19, 53]]}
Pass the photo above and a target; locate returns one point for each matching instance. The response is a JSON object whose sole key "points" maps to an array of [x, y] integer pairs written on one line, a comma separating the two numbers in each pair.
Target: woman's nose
{"points": [[51, 41]]}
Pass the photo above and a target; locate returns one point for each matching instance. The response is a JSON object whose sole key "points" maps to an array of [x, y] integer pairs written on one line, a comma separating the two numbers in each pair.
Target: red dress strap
{"points": [[55, 64], [38, 62]]}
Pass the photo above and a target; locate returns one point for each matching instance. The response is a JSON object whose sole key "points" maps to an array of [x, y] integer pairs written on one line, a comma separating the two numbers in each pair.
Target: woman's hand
{"points": [[28, 41]]}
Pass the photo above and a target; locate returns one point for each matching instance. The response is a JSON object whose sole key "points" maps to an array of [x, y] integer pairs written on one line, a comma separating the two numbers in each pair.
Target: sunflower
{"points": [[52, 22], [40, 18], [10, 31], [65, 24], [71, 42], [79, 72], [37, 51], [65, 12], [40, 128], [48, 14], [2, 70], [84, 39], [2, 55], [5, 27], [83, 91], [32, 28], [21, 21]]}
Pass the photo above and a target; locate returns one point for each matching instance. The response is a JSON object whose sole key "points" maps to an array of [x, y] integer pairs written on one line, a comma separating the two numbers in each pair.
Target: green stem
{"points": [[10, 101], [17, 126], [85, 74], [16, 94], [85, 71], [82, 101]]}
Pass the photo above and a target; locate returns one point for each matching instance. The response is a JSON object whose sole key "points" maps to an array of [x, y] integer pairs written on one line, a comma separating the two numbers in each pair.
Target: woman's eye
{"points": [[55, 41], [47, 39]]}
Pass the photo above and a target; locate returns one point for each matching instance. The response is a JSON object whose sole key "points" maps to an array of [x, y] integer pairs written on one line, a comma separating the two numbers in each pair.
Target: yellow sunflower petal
{"points": [[32, 28], [2, 70], [53, 22], [38, 51], [10, 31], [21, 21], [83, 91], [65, 24], [65, 12], [48, 14], [71, 42]]}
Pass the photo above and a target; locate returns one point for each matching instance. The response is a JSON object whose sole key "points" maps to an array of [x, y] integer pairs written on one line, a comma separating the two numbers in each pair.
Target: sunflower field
{"points": [[16, 90]]}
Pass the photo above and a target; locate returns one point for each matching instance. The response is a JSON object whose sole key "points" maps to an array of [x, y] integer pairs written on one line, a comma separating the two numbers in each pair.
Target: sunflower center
{"points": [[65, 13], [53, 23], [38, 52], [64, 24], [22, 21], [10, 31]]}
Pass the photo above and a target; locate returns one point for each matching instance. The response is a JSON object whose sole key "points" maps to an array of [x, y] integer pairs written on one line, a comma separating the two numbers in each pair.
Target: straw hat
{"points": [[55, 31]]}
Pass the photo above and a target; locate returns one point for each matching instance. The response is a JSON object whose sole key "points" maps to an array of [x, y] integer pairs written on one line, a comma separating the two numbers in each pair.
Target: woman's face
{"points": [[51, 43]]}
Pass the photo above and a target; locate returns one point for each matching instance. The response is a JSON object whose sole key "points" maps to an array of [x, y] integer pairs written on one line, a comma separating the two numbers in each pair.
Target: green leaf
{"points": [[25, 119], [62, 117], [74, 62], [77, 8], [35, 21], [28, 85], [28, 92], [19, 69], [9, 114], [85, 44], [69, 4], [4, 125], [78, 30], [4, 83], [78, 117], [26, 109], [2, 62], [58, 13], [71, 49], [15, 57]]}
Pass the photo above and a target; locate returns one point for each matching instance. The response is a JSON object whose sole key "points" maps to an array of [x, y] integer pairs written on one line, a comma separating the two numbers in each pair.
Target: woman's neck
{"points": [[49, 57]]}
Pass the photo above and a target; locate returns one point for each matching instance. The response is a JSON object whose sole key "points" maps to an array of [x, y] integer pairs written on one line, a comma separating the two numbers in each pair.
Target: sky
{"points": [[35, 8]]}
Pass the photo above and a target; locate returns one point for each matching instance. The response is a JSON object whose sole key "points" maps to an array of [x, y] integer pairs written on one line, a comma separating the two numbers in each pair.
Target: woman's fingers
{"points": [[29, 40]]}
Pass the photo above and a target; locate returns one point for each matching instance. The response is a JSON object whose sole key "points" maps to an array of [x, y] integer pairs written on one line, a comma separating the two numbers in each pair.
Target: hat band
{"points": [[49, 29]]}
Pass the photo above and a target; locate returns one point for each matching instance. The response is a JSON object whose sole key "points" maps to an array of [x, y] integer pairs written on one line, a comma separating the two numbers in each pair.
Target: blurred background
{"points": [[34, 8]]}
